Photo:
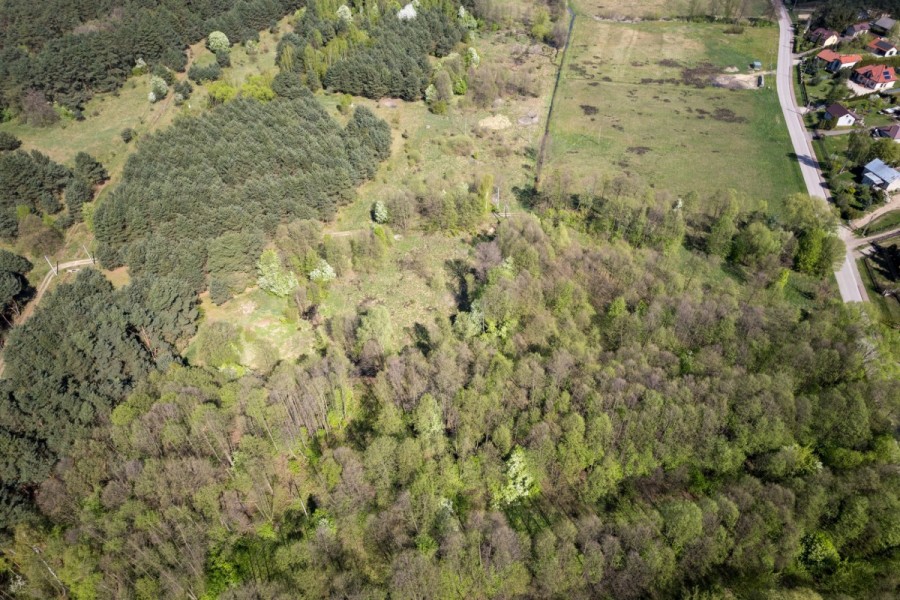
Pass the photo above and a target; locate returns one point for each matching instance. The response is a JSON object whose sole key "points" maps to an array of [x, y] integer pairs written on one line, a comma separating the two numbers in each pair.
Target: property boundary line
{"points": [[562, 65]]}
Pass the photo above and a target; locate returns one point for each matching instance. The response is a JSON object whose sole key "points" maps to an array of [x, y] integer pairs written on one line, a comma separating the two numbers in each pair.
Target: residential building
{"points": [[891, 133], [835, 61], [857, 30], [879, 175], [824, 37], [884, 25], [843, 116], [875, 77], [882, 47]]}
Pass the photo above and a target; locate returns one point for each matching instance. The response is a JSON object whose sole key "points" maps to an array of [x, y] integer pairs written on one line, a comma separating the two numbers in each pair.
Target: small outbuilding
{"points": [[881, 176], [884, 25], [756, 65]]}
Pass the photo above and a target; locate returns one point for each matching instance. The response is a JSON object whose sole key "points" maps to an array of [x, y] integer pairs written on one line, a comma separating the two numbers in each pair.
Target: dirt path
{"points": [[858, 243], [865, 220]]}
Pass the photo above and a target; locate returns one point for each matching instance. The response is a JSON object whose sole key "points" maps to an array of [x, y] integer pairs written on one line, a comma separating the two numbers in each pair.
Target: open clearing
{"points": [[640, 99], [443, 152], [656, 9]]}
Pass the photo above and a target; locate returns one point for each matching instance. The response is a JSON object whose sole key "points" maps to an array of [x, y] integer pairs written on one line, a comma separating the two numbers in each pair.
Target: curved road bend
{"points": [[848, 279]]}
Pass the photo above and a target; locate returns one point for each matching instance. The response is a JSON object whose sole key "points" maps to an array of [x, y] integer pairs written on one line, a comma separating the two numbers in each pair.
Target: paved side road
{"points": [[848, 279]]}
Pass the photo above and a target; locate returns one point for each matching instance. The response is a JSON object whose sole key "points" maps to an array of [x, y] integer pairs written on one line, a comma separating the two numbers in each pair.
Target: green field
{"points": [[639, 99], [655, 9]]}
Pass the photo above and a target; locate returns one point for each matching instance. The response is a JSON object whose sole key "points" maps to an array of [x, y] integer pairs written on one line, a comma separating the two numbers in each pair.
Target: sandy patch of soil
{"points": [[738, 82]]}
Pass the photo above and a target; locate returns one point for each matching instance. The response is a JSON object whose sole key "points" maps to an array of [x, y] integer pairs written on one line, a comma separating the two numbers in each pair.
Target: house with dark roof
{"points": [[857, 30], [884, 25], [882, 47], [823, 37], [875, 77], [879, 175], [891, 133], [840, 115]]}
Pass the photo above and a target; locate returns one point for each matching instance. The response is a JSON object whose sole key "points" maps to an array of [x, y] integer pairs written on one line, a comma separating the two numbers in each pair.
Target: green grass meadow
{"points": [[632, 100]]}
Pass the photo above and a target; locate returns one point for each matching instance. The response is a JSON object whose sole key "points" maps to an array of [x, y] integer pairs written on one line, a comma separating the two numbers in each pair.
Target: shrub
{"points": [[273, 278], [37, 111], [379, 212], [158, 89], [8, 141], [223, 58], [128, 134], [218, 42], [221, 92], [199, 74], [258, 87]]}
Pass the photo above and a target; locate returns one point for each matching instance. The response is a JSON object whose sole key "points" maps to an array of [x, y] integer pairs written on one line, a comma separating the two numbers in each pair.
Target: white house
{"points": [[882, 47], [843, 116], [875, 77]]}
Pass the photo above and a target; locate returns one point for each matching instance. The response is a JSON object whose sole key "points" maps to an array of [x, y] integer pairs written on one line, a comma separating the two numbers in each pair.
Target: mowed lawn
{"points": [[639, 99]]}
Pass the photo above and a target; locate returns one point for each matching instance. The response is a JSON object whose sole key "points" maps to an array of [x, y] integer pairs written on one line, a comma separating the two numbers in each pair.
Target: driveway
{"points": [[848, 279]]}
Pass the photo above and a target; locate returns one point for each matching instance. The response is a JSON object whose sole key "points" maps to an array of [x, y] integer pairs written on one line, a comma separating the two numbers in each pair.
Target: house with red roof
{"points": [[875, 77], [882, 47], [835, 61]]}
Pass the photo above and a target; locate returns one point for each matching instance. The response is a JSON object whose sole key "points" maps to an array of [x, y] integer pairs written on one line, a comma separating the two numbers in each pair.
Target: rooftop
{"points": [[881, 171], [892, 132], [877, 73], [885, 23], [881, 44], [838, 110]]}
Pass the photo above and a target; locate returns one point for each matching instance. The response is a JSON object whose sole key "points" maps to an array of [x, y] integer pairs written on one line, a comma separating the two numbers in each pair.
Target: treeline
{"points": [[79, 355], [596, 420], [34, 190], [840, 14], [198, 200], [368, 53], [68, 50]]}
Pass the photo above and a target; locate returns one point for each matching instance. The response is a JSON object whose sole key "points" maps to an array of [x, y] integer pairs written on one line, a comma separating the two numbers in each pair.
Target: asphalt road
{"points": [[848, 279]]}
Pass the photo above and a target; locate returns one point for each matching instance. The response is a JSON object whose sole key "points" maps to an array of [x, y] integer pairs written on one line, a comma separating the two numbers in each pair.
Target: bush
{"points": [[199, 74], [8, 141], [128, 134], [184, 88], [164, 74], [218, 42], [379, 212], [158, 89], [223, 58]]}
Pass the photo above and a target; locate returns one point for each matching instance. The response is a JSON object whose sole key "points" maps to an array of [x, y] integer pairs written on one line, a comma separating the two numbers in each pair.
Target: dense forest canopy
{"points": [[593, 424], [626, 395], [68, 50], [201, 198]]}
